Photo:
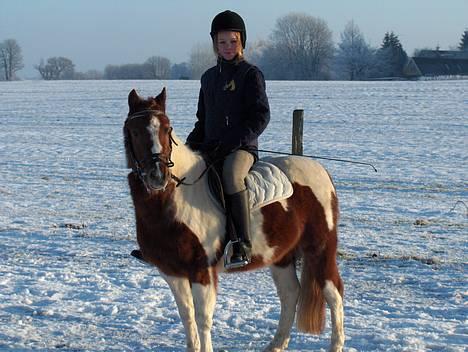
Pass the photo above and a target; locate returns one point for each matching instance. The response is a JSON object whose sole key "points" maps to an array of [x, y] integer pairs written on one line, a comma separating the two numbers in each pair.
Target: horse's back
{"points": [[305, 172]]}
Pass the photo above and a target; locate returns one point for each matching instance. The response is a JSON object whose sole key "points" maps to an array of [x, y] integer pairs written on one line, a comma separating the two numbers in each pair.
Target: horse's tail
{"points": [[311, 305], [319, 247]]}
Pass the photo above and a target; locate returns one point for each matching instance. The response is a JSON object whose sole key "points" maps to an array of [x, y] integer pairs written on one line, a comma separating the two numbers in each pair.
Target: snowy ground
{"points": [[66, 221]]}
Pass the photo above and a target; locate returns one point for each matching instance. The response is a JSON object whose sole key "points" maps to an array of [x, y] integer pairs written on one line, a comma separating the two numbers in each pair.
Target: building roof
{"points": [[442, 62]]}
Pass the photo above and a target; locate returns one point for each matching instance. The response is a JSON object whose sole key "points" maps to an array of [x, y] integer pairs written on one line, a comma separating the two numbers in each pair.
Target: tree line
{"points": [[300, 47]]}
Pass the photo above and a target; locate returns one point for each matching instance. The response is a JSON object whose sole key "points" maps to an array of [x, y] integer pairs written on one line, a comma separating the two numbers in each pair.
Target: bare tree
{"points": [[201, 59], [11, 59], [158, 67], [305, 43], [56, 68], [354, 56]]}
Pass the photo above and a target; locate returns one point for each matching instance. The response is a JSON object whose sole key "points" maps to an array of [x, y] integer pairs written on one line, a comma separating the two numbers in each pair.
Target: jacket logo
{"points": [[231, 86]]}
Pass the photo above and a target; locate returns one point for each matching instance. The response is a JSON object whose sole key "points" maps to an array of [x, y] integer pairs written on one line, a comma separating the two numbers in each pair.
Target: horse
{"points": [[181, 230]]}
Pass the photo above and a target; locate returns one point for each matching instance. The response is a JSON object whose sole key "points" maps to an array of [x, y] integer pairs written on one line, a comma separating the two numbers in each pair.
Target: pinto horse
{"points": [[181, 230]]}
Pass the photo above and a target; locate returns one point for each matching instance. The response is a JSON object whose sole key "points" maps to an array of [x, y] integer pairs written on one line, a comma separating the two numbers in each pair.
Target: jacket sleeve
{"points": [[257, 111], [196, 137]]}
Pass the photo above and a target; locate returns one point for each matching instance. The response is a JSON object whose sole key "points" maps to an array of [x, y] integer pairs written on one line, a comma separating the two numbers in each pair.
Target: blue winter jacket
{"points": [[233, 108]]}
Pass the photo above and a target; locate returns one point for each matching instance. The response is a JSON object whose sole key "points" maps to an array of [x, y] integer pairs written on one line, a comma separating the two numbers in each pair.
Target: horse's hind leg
{"points": [[335, 302], [287, 286], [333, 293]]}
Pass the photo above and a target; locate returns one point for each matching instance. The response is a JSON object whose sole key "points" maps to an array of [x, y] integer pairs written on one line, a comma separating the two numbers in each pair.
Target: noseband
{"points": [[155, 158]]}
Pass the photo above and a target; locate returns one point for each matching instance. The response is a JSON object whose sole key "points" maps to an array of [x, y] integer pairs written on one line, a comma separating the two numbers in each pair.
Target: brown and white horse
{"points": [[181, 231]]}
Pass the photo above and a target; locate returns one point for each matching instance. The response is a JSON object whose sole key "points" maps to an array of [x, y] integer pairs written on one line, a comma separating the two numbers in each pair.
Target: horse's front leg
{"points": [[204, 299], [183, 296]]}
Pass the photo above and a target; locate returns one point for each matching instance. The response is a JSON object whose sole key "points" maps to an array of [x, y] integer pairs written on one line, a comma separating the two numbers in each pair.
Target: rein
{"points": [[182, 181]]}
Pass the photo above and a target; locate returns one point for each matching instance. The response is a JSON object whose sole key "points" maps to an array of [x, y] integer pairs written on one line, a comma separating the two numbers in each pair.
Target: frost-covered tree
{"points": [[56, 68], [265, 55], [304, 44], [180, 71], [354, 56], [158, 67], [391, 58], [11, 59], [272, 63], [255, 51], [202, 58], [464, 41]]}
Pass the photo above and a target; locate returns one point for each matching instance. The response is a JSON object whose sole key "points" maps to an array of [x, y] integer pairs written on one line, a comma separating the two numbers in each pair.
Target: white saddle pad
{"points": [[267, 184]]}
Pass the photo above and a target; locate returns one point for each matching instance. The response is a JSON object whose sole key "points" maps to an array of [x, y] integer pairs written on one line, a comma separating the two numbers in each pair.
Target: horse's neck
{"points": [[187, 163], [194, 205], [192, 199]]}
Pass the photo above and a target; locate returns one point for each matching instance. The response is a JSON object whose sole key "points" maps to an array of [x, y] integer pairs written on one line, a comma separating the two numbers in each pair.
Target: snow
{"points": [[67, 281]]}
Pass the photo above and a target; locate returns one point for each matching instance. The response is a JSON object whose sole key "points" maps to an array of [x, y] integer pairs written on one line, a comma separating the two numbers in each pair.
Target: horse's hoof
{"points": [[277, 347], [136, 253], [336, 349], [274, 349]]}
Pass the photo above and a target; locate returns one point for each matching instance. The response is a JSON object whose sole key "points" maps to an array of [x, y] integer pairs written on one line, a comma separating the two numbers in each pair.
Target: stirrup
{"points": [[228, 252]]}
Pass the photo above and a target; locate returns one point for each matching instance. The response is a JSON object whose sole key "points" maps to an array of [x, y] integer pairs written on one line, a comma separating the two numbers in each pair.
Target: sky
{"points": [[95, 33]]}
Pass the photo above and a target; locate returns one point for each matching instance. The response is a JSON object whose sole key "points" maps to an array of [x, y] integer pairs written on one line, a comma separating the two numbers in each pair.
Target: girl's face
{"points": [[228, 44]]}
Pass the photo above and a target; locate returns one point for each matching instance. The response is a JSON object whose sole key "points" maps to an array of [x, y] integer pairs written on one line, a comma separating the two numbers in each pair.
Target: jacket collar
{"points": [[227, 65]]}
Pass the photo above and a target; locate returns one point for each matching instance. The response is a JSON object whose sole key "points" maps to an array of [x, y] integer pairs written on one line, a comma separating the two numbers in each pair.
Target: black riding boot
{"points": [[240, 213]]}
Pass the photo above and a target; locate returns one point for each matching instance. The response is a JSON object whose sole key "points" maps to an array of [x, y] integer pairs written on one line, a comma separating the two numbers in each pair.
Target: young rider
{"points": [[233, 111]]}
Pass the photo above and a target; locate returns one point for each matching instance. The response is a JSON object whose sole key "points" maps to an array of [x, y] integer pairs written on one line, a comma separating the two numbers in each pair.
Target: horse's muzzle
{"points": [[155, 179]]}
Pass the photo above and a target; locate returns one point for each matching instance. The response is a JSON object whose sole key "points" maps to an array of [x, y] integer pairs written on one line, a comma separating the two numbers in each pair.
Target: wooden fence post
{"points": [[297, 132]]}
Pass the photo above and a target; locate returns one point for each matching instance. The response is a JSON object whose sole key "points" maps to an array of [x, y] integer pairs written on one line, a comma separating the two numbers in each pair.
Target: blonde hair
{"points": [[240, 49]]}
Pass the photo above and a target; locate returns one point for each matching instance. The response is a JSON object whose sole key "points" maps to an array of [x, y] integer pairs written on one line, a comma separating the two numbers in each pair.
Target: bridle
{"points": [[154, 158]]}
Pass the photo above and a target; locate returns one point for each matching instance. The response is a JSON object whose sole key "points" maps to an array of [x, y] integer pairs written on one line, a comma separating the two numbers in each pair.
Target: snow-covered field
{"points": [[66, 220]]}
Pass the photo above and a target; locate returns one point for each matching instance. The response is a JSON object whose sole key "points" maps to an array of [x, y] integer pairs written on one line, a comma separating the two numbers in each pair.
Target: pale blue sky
{"points": [[94, 33]]}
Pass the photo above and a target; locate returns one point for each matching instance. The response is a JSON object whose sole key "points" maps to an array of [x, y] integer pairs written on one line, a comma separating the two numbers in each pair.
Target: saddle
{"points": [[265, 182]]}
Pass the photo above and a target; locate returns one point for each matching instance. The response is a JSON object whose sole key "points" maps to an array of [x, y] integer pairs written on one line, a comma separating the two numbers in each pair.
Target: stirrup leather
{"points": [[228, 252]]}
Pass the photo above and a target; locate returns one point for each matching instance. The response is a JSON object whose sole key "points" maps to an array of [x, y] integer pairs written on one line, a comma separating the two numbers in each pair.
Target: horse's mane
{"points": [[127, 148]]}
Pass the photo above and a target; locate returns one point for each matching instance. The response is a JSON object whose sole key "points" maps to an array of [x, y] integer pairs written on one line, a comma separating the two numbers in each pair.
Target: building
{"points": [[442, 62]]}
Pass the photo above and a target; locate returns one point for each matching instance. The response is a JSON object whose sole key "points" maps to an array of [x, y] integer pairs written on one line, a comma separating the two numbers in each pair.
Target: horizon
{"points": [[117, 32]]}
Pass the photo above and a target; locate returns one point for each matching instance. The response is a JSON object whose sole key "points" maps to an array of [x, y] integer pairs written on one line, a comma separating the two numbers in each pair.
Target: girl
{"points": [[232, 112]]}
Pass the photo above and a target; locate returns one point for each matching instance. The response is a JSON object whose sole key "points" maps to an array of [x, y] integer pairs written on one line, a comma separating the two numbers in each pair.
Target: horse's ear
{"points": [[161, 99], [133, 100]]}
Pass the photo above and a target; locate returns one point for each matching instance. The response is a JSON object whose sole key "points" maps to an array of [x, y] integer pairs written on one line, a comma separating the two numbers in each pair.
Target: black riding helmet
{"points": [[229, 21]]}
